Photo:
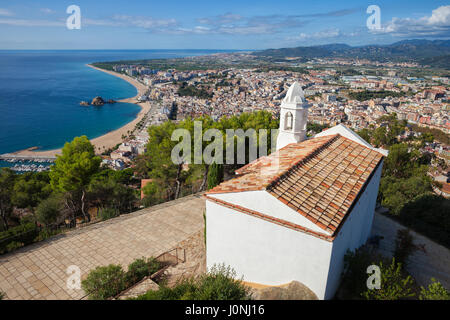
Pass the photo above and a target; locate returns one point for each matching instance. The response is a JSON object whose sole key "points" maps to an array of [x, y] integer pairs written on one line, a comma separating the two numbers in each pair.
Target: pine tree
{"points": [[215, 175]]}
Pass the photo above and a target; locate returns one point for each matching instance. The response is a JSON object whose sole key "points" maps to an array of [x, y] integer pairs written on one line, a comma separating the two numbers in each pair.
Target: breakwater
{"points": [[8, 157]]}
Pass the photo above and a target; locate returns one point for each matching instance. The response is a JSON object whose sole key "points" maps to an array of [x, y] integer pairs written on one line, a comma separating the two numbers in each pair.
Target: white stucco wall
{"points": [[349, 134], [354, 232], [264, 252], [345, 132], [264, 202]]}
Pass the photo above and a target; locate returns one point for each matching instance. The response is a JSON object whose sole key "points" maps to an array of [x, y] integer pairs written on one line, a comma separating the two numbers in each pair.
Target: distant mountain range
{"points": [[426, 52]]}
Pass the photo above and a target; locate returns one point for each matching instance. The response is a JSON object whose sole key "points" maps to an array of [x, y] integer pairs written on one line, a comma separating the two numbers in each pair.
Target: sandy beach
{"points": [[109, 139]]}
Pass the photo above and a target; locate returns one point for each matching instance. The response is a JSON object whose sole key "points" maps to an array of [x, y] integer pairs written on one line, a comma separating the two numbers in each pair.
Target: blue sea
{"points": [[40, 92]]}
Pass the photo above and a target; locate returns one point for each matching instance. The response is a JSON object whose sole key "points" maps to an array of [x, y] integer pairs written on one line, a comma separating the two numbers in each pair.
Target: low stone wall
{"points": [[434, 262], [195, 263]]}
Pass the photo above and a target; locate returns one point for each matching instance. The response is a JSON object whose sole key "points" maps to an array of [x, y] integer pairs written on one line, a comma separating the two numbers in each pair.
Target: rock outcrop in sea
{"points": [[97, 101]]}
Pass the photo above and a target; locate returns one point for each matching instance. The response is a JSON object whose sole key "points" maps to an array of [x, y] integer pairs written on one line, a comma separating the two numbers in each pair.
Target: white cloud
{"points": [[324, 34], [149, 23], [194, 30], [5, 12], [143, 22], [47, 11], [31, 23], [226, 18], [440, 16], [230, 23], [438, 24]]}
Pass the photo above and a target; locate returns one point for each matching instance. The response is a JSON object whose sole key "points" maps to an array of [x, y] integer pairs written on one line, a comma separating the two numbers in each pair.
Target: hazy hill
{"points": [[435, 52]]}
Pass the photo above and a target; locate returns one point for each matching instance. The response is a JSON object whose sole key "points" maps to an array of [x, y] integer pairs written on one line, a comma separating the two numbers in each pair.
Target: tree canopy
{"points": [[171, 180], [30, 189], [7, 179], [74, 168]]}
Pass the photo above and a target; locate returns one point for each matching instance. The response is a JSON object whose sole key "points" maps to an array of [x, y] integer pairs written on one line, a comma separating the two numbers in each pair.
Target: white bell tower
{"points": [[293, 117]]}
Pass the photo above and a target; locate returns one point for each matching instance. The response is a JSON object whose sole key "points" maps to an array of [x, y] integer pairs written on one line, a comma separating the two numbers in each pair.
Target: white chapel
{"points": [[292, 215]]}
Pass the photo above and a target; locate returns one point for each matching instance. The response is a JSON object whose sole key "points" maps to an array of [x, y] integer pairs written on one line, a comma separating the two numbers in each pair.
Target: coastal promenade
{"points": [[110, 139], [39, 271]]}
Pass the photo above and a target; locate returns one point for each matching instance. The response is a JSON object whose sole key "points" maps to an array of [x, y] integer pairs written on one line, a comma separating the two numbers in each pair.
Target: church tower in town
{"points": [[293, 117]]}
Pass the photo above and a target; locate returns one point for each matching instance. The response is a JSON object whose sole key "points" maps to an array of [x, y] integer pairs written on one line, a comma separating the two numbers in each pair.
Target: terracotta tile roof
{"points": [[319, 178], [259, 174], [446, 188], [324, 186]]}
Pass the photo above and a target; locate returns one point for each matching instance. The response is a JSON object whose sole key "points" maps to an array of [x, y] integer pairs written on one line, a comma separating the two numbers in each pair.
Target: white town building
{"points": [[292, 215]]}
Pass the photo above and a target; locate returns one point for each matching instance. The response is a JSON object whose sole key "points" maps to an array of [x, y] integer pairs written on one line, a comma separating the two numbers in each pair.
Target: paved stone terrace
{"points": [[38, 271]]}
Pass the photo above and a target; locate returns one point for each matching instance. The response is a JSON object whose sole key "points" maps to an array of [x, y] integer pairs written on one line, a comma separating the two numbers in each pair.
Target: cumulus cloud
{"points": [[436, 25]]}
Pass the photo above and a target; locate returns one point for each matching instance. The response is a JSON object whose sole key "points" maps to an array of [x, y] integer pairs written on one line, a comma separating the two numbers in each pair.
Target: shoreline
{"points": [[109, 139]]}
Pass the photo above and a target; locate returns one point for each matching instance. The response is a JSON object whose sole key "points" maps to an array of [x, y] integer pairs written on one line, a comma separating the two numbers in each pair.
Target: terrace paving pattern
{"points": [[38, 271]]}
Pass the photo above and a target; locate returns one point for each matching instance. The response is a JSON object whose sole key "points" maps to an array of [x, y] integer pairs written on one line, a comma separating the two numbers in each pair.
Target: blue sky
{"points": [[229, 24]]}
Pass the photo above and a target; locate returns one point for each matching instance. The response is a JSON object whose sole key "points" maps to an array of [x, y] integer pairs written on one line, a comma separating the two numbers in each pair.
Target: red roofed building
{"points": [[293, 215], [425, 120]]}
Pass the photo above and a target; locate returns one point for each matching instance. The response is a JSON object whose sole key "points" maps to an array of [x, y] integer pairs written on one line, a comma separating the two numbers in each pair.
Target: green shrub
{"points": [[355, 272], [137, 270], [153, 265], [395, 285], [49, 210], [104, 282], [154, 194], [2, 295], [220, 284], [404, 246], [217, 284], [141, 268], [11, 246], [215, 175], [23, 234], [165, 293], [47, 233], [108, 213], [435, 291]]}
